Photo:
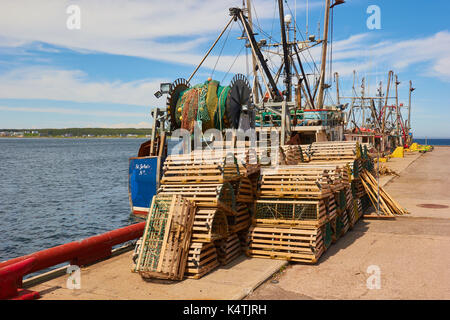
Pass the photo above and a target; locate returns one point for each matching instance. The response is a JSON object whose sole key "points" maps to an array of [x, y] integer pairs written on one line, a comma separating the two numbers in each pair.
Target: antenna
{"points": [[307, 13]]}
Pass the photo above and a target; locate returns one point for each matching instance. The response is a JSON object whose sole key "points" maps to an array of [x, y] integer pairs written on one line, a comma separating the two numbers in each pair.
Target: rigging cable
{"points": [[301, 51], [237, 56], [221, 50]]}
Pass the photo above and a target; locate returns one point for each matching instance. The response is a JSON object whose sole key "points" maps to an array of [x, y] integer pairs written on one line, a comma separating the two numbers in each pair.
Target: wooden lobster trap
{"points": [[243, 190], [294, 183], [210, 224], [204, 195], [305, 213], [285, 243], [291, 155], [228, 249], [201, 260], [335, 150], [197, 167], [240, 221], [165, 242]]}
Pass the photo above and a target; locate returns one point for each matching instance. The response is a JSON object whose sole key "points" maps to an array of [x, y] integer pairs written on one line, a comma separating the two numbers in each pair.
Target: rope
{"points": [[221, 50]]}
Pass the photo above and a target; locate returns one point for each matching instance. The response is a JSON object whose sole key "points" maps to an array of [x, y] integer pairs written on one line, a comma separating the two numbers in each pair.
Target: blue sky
{"points": [[105, 73]]}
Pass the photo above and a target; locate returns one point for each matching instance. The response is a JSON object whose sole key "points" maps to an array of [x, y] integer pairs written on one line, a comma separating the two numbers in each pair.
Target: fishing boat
{"points": [[284, 99], [267, 111]]}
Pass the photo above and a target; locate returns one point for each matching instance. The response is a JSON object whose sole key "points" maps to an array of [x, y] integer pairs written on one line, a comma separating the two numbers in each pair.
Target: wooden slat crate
{"points": [[291, 182], [305, 213], [345, 222], [204, 195], [228, 249], [291, 155], [285, 243], [165, 242], [241, 221], [243, 239], [254, 179], [201, 260], [243, 190], [349, 197], [358, 188], [335, 150], [332, 208], [197, 168], [340, 198], [209, 224]]}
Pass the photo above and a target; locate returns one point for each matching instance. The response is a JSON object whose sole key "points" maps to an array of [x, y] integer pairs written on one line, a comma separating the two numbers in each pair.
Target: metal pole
{"points": [[320, 97], [378, 181], [254, 64], [287, 68], [311, 100], [261, 62], [398, 110], [283, 122], [386, 101], [409, 105], [363, 107], [336, 76]]}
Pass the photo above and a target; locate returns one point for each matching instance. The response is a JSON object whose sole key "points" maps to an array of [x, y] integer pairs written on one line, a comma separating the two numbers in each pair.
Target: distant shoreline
{"points": [[114, 137]]}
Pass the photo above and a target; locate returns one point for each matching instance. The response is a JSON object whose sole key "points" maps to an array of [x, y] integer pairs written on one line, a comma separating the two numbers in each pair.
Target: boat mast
{"points": [[386, 100], [411, 89], [320, 98], [254, 63], [336, 77], [286, 56], [397, 109], [262, 65]]}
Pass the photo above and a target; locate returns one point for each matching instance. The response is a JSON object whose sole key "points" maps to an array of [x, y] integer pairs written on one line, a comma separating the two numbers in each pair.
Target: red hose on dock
{"points": [[78, 253]]}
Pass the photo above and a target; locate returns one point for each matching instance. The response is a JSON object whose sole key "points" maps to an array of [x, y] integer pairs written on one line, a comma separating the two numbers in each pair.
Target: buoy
{"points": [[266, 96]]}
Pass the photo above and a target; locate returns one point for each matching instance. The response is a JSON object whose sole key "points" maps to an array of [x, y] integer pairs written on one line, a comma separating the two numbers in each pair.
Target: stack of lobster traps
{"points": [[214, 205], [292, 208], [304, 207], [222, 197]]}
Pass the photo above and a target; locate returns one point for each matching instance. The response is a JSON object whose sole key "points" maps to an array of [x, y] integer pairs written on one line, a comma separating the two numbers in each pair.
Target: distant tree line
{"points": [[86, 131]]}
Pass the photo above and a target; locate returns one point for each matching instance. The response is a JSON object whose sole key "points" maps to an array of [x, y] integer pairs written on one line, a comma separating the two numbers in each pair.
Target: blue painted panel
{"points": [[143, 180]]}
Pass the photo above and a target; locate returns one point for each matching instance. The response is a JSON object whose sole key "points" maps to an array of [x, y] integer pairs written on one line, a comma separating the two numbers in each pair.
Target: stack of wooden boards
{"points": [[221, 196], [388, 206]]}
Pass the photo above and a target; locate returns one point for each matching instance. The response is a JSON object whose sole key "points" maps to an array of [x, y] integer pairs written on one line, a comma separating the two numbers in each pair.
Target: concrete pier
{"points": [[412, 253]]}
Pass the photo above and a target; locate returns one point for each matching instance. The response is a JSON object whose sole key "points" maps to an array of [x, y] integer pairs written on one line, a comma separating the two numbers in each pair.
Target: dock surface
{"points": [[412, 252]]}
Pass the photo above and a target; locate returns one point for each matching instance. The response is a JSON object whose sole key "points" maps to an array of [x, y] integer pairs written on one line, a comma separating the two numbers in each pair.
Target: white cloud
{"points": [[170, 30], [97, 113], [134, 28], [74, 85], [359, 52]]}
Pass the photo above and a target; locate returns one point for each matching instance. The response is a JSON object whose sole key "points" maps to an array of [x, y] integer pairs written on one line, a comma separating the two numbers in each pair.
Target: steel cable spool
{"points": [[175, 102], [238, 97]]}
